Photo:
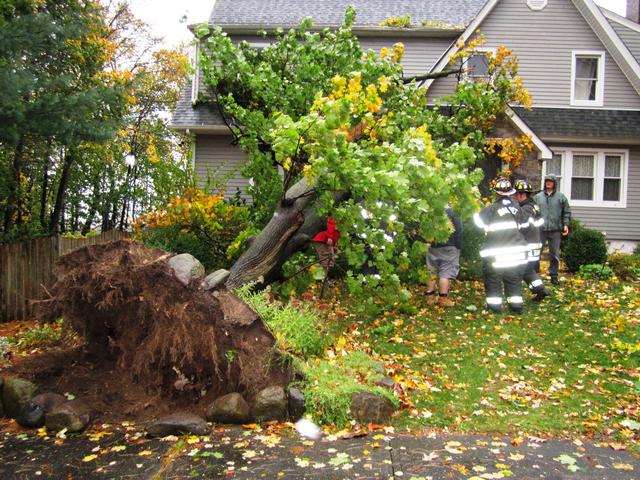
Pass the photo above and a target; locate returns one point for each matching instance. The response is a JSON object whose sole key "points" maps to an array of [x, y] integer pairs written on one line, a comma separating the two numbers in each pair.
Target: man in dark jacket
{"points": [[557, 215], [531, 210], [443, 261], [504, 251]]}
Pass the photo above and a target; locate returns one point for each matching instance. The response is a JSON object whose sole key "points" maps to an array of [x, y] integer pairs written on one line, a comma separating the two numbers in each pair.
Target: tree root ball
{"points": [[176, 340]]}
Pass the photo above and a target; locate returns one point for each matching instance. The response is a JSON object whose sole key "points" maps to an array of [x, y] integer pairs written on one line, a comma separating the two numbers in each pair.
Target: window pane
{"points": [[587, 67], [585, 90], [583, 165], [582, 189], [612, 165], [611, 190], [478, 65], [554, 165]]}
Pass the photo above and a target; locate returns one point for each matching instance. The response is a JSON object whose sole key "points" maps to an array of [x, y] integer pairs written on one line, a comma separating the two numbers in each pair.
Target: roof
{"points": [[585, 123], [331, 12], [194, 117]]}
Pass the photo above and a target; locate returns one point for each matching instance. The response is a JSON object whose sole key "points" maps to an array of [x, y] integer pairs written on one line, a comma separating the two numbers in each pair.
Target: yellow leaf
{"points": [[145, 453], [89, 458], [118, 448], [623, 466]]}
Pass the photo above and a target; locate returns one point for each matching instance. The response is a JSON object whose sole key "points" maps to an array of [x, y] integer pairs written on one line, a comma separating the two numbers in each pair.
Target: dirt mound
{"points": [[182, 344]]}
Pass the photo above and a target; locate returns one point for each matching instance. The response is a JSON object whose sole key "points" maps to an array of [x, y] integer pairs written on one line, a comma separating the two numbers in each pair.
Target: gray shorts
{"points": [[443, 262]]}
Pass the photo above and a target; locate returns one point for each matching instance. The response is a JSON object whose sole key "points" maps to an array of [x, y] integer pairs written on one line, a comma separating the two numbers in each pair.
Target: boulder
{"points": [[296, 403], [48, 401], [177, 423], [369, 408], [385, 382], [270, 404], [186, 268], [74, 415], [215, 279], [31, 415], [16, 392], [231, 408]]}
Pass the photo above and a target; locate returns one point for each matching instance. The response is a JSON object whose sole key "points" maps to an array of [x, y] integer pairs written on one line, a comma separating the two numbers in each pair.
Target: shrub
{"points": [[203, 225], [470, 262], [595, 271], [41, 336], [583, 247], [626, 267]]}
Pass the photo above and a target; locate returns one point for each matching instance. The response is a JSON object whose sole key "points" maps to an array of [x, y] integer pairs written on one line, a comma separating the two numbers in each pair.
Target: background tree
{"points": [[84, 140], [339, 131]]}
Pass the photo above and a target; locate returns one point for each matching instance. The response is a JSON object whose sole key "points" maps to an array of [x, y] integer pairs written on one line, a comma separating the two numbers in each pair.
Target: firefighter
{"points": [[504, 251], [532, 210]]}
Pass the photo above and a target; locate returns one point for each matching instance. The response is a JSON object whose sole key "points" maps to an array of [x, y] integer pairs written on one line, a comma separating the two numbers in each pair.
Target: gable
{"points": [[543, 41], [628, 31]]}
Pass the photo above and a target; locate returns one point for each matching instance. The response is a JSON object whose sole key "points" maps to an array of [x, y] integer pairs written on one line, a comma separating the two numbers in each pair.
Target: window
{"points": [[554, 166], [587, 78], [477, 65], [590, 177]]}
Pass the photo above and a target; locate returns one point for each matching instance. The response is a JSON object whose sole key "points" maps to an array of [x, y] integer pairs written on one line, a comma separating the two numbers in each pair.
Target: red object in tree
{"points": [[329, 234]]}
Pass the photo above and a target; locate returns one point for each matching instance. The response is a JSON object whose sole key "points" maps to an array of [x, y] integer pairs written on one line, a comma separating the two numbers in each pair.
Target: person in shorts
{"points": [[443, 262]]}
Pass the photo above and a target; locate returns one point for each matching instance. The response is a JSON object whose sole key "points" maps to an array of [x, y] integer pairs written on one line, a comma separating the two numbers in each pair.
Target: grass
{"points": [[567, 366]]}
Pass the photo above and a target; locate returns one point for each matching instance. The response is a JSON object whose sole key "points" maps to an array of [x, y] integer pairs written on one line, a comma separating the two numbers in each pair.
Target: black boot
{"points": [[555, 281], [540, 294]]}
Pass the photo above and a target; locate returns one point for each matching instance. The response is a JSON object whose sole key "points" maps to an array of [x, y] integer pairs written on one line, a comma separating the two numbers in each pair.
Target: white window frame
{"points": [[566, 170], [599, 100], [479, 50]]}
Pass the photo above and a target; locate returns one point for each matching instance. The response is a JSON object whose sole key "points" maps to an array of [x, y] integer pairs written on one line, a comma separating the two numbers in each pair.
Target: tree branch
{"points": [[432, 75]]}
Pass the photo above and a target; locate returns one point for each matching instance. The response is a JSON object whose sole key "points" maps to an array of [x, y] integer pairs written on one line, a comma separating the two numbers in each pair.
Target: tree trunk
{"points": [[290, 230], [14, 187], [93, 206], [45, 187], [56, 215]]}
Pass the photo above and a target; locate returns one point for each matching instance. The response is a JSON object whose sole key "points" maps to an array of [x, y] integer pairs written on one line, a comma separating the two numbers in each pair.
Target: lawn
{"points": [[568, 366]]}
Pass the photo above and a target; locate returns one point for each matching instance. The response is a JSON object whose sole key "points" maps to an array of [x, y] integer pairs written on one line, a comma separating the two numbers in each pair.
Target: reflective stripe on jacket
{"points": [[505, 225]]}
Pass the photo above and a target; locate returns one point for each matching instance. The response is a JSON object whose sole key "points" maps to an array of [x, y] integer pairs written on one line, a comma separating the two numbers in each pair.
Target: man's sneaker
{"points": [[445, 302], [432, 299], [494, 308], [540, 295]]}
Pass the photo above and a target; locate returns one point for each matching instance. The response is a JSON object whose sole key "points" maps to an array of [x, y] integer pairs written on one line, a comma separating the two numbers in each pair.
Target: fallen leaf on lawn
{"points": [[516, 457], [145, 453], [249, 454], [90, 458], [618, 446], [623, 466]]}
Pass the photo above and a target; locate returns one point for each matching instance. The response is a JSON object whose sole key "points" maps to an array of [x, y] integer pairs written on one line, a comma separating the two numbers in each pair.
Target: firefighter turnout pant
{"points": [[531, 278], [495, 279]]}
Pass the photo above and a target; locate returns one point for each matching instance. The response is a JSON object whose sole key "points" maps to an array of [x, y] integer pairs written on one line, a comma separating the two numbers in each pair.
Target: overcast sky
{"points": [[169, 18]]}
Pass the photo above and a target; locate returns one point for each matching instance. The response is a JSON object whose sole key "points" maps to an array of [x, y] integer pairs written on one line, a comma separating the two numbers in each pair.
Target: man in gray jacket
{"points": [[556, 212]]}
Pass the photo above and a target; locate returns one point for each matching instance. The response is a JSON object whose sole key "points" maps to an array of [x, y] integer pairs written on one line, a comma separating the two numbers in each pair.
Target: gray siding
{"points": [[629, 37], [618, 223], [420, 54], [217, 158], [543, 41]]}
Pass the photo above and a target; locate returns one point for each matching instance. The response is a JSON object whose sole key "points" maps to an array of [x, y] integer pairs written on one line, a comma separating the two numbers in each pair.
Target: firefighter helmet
{"points": [[523, 186], [502, 186]]}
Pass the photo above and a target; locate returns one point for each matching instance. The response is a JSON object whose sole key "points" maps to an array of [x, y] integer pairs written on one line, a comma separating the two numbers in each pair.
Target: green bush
{"points": [[470, 262], [595, 271], [584, 246], [206, 226], [626, 267]]}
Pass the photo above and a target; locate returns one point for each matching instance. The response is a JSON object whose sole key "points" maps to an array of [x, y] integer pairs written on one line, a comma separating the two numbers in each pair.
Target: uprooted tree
{"points": [[329, 130]]}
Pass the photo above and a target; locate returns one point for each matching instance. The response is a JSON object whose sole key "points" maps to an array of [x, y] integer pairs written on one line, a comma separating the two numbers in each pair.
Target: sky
{"points": [[169, 18]]}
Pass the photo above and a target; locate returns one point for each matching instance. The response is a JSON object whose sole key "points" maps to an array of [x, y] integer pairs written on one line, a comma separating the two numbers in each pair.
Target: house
{"points": [[579, 62]]}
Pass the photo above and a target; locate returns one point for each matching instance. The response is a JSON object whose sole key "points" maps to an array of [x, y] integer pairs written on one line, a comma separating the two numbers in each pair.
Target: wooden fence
{"points": [[26, 269]]}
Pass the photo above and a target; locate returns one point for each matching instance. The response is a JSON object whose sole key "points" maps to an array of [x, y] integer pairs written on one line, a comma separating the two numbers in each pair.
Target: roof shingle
{"points": [[331, 12]]}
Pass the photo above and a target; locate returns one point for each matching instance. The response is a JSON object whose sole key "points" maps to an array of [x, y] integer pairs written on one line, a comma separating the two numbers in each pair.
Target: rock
{"points": [[48, 401], [16, 392], [186, 268], [385, 382], [31, 415], [296, 403], [369, 408], [74, 415], [215, 279], [176, 423], [231, 408], [270, 404]]}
